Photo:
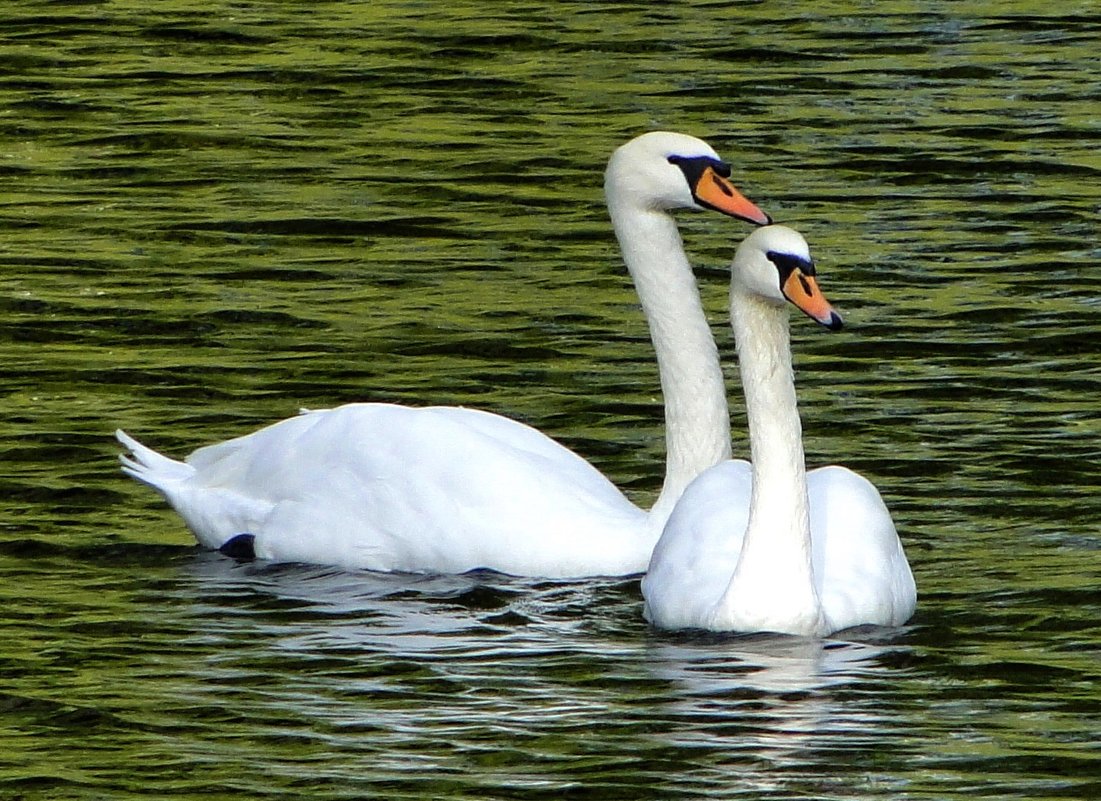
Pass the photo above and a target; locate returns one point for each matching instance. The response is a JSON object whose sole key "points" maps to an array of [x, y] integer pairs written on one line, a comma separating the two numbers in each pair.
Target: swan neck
{"points": [[697, 418], [772, 411], [773, 585]]}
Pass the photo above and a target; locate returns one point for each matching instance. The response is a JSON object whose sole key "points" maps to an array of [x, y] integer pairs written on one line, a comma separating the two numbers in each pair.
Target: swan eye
{"points": [[695, 165], [787, 263], [694, 168]]}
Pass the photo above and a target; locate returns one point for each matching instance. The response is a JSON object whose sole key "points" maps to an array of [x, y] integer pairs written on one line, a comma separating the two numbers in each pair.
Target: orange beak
{"points": [[802, 290], [716, 192]]}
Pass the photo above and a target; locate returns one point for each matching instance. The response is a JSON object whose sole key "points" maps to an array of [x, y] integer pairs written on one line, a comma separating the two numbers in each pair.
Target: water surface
{"points": [[212, 216]]}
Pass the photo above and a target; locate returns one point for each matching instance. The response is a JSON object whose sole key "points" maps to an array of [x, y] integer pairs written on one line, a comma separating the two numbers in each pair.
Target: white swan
{"points": [[769, 547], [445, 489]]}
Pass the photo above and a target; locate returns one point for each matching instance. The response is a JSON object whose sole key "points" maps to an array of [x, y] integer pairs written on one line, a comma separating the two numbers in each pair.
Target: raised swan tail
{"points": [[148, 466]]}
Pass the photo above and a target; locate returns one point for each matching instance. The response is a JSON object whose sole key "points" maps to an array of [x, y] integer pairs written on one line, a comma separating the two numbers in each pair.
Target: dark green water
{"points": [[213, 214]]}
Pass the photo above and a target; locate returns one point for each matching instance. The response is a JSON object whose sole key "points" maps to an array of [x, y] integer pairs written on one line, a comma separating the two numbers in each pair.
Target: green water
{"points": [[214, 214]]}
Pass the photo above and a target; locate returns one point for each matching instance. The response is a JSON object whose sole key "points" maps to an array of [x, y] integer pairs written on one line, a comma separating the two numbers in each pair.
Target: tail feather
{"points": [[214, 515], [148, 466]]}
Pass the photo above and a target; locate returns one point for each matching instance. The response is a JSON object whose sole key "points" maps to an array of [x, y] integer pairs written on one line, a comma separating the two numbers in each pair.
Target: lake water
{"points": [[215, 213]]}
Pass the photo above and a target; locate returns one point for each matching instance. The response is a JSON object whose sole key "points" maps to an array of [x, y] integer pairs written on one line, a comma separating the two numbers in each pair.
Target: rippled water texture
{"points": [[213, 214]]}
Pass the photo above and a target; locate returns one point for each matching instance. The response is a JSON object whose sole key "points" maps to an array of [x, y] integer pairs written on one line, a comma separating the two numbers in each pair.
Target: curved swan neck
{"points": [[772, 411], [697, 418], [773, 583]]}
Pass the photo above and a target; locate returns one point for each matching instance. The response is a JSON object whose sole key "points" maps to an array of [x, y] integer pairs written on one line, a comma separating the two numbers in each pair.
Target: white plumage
{"points": [[767, 546], [443, 489]]}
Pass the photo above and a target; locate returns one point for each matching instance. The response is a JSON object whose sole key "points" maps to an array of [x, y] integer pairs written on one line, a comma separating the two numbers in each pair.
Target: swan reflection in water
{"points": [[775, 698], [440, 665]]}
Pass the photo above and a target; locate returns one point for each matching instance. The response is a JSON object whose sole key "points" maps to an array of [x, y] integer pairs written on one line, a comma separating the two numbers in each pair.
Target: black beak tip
{"points": [[835, 322]]}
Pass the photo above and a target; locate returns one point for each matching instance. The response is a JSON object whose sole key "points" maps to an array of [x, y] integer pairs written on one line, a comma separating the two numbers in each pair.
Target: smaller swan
{"points": [[767, 546]]}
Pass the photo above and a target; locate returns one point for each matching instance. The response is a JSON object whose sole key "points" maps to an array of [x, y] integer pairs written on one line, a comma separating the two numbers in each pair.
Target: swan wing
{"points": [[861, 573], [860, 567], [699, 548], [438, 489]]}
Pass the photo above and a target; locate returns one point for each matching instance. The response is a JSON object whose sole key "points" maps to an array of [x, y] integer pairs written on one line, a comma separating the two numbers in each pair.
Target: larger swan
{"points": [[767, 546], [445, 489]]}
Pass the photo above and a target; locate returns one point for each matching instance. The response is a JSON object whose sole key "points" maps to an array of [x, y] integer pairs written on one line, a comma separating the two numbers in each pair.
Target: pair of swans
{"points": [[445, 489]]}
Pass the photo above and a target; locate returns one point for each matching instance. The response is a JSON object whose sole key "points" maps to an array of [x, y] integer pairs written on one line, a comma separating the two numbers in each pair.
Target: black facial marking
{"points": [[786, 263], [693, 167]]}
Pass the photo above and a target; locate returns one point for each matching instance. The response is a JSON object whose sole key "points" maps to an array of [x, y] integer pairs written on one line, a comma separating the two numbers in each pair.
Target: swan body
{"points": [[766, 546], [304, 485], [446, 489]]}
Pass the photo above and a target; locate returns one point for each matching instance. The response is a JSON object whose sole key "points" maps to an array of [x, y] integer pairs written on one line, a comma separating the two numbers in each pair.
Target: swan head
{"points": [[774, 263], [665, 171]]}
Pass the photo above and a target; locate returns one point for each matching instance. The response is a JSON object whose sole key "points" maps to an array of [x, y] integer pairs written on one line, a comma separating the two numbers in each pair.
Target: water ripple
{"points": [[212, 218]]}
